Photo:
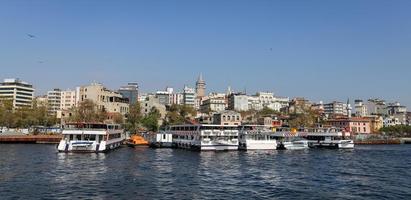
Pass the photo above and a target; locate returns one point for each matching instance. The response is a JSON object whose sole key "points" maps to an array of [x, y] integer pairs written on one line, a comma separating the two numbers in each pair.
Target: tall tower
{"points": [[348, 108], [200, 87]]}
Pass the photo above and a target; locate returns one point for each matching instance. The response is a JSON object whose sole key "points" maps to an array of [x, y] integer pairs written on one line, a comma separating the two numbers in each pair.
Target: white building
{"points": [[360, 108], [69, 99], [189, 96], [177, 98], [21, 93], [213, 105], [54, 101], [267, 99], [335, 108], [376, 107], [238, 102]]}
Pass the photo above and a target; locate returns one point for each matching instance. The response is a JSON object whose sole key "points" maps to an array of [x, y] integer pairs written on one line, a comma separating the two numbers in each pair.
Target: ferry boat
{"points": [[290, 140], [160, 140], [256, 137], [329, 138], [204, 137], [90, 137]]}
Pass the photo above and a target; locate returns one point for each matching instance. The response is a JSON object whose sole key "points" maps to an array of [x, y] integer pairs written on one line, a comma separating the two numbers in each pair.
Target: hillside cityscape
{"points": [[154, 111]]}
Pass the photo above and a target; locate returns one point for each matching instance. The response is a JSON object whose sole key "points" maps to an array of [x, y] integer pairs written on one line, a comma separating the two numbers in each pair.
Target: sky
{"points": [[321, 50]]}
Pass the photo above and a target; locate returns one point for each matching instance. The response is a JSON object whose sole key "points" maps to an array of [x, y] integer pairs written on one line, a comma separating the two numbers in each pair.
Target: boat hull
{"points": [[258, 145], [297, 145]]}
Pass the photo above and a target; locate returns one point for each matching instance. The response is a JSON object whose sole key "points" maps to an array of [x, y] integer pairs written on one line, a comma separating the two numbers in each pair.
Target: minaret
{"points": [[348, 108], [200, 87]]}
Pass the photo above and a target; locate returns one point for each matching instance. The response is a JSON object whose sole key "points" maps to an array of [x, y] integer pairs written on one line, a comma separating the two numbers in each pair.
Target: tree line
{"points": [[24, 117]]}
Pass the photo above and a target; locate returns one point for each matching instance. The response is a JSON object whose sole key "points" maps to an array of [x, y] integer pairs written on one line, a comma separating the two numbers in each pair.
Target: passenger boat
{"points": [[329, 138], [290, 140], [90, 137], [161, 140], [256, 137], [204, 137]]}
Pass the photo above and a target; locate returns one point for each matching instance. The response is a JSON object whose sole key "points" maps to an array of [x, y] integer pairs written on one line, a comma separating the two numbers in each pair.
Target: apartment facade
{"points": [[54, 101], [105, 100], [238, 102], [69, 99], [130, 91], [19, 92]]}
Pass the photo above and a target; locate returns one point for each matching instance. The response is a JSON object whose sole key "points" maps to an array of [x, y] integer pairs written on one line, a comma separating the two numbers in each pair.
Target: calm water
{"points": [[368, 172]]}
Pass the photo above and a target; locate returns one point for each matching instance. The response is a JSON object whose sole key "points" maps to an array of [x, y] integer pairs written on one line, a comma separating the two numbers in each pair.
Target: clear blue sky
{"points": [[322, 50]]}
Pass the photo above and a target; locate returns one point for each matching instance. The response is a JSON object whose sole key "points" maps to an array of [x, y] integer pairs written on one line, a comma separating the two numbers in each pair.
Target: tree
{"points": [[118, 118], [305, 118], [134, 118], [151, 120], [177, 114], [87, 111], [6, 112]]}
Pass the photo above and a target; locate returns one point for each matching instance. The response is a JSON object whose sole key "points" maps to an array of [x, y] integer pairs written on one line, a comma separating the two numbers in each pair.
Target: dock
{"points": [[33, 139], [378, 142]]}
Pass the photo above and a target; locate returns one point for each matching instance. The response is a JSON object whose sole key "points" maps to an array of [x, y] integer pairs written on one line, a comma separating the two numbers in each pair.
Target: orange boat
{"points": [[137, 140]]}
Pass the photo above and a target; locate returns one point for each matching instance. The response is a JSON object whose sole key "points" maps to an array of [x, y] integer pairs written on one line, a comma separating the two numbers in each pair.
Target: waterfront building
{"points": [[391, 121], [298, 105], [227, 117], [151, 102], [200, 87], [376, 123], [213, 104], [177, 98], [360, 108], [238, 102], [376, 107], [336, 108], [267, 99], [69, 99], [189, 96], [41, 100], [163, 97], [318, 108], [130, 92], [355, 125], [397, 111], [19, 92], [54, 101], [105, 100]]}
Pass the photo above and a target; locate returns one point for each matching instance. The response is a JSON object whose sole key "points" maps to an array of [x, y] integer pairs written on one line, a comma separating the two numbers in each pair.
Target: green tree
{"points": [[134, 118], [151, 120], [87, 111], [177, 114], [305, 118]]}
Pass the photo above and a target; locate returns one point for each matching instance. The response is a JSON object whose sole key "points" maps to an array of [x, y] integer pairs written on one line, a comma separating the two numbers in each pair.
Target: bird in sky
{"points": [[31, 36]]}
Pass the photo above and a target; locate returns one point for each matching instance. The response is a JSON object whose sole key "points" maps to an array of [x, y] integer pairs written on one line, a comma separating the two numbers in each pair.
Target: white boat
{"points": [[256, 137], [288, 140], [160, 140], [205, 137], [90, 137], [329, 138]]}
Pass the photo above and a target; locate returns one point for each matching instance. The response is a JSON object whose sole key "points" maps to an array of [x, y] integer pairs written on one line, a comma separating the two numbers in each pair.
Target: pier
{"points": [[377, 142], [34, 139]]}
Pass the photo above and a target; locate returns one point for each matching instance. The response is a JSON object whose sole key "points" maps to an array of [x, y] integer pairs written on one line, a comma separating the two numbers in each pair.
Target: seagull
{"points": [[31, 36]]}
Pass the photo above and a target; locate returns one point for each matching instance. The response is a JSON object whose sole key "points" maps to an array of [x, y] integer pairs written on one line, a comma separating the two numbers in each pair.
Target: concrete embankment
{"points": [[376, 142], [39, 139]]}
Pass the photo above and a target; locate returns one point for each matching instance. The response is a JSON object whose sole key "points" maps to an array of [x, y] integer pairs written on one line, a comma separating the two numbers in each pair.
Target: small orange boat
{"points": [[136, 140]]}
